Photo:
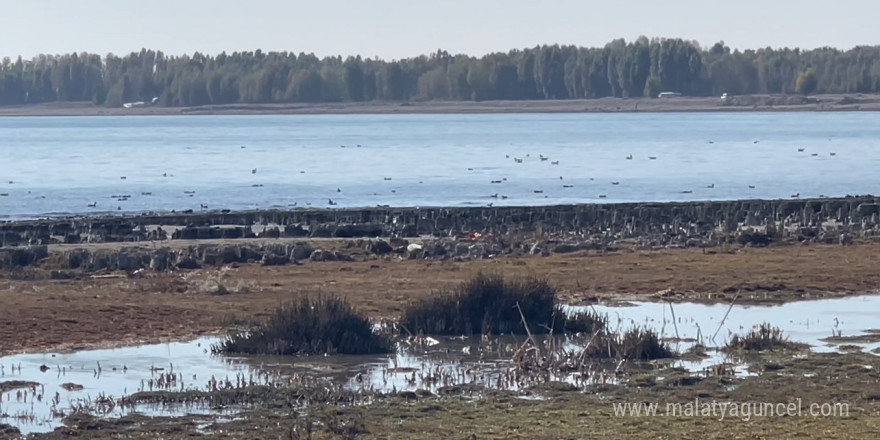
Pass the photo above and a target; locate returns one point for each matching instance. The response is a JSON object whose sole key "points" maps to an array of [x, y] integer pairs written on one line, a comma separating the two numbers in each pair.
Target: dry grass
{"points": [[46, 312]]}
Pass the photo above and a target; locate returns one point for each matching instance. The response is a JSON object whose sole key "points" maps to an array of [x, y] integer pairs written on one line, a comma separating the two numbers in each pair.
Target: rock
{"points": [[564, 248], [753, 239], [231, 254], [321, 255], [295, 231], [379, 247], [9, 431], [61, 275], [188, 263], [413, 250], [535, 249], [301, 251], [274, 260], [339, 256], [69, 386], [270, 233], [130, 260], [357, 230], [398, 242]]}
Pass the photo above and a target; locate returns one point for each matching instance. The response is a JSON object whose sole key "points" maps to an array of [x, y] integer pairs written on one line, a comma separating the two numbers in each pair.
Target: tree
{"points": [[806, 83], [624, 69]]}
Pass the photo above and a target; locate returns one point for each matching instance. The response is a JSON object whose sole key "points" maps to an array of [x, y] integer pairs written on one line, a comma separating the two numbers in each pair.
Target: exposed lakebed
{"points": [[48, 384]]}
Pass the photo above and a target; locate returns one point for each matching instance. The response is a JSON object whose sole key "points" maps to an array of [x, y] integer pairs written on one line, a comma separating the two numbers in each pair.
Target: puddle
{"points": [[123, 371], [810, 322], [450, 362]]}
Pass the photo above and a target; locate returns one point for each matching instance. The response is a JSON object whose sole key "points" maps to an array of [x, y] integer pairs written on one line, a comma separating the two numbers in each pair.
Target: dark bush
{"points": [[634, 344], [485, 304], [309, 326], [582, 321], [761, 337]]}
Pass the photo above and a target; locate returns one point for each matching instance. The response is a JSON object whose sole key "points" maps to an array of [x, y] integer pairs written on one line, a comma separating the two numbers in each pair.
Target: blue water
{"points": [[61, 165]]}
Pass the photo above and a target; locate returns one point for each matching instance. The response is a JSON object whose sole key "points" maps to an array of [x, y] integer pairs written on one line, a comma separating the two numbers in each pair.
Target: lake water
{"points": [[61, 165]]}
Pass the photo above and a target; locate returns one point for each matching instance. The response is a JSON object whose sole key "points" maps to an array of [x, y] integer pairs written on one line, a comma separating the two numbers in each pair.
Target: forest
{"points": [[640, 68]]}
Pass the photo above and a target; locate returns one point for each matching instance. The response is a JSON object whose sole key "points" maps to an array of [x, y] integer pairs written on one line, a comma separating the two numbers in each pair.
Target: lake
{"points": [[62, 165]]}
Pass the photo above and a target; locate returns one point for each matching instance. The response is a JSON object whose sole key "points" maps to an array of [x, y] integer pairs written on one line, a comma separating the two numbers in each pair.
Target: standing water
{"points": [[121, 372]]}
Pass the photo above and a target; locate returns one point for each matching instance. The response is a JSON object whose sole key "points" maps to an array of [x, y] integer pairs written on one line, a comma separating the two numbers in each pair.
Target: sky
{"points": [[394, 29]]}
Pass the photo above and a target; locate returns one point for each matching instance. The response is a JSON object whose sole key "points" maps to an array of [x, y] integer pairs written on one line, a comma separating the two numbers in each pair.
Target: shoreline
{"points": [[747, 103]]}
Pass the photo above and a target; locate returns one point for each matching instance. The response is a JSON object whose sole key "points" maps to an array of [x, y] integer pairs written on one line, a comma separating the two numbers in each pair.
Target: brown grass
{"points": [[51, 313]]}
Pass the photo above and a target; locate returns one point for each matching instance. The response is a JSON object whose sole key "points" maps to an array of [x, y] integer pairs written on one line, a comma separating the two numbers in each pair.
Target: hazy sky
{"points": [[400, 28]]}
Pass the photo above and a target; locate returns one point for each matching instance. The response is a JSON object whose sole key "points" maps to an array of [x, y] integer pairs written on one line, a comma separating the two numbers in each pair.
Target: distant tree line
{"points": [[639, 68]]}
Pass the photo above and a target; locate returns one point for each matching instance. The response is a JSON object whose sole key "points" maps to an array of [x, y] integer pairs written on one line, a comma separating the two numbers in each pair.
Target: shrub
{"points": [[485, 304], [635, 344], [761, 337], [309, 326]]}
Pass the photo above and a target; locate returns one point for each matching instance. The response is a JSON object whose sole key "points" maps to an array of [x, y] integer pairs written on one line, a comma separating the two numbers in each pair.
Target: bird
{"points": [[93, 204], [555, 162], [755, 142], [752, 186], [387, 178], [543, 157], [539, 191], [796, 196], [10, 182], [122, 177], [496, 181], [834, 154], [652, 157], [602, 196], [568, 186], [254, 171], [503, 197], [517, 160], [815, 154], [494, 196], [615, 183], [687, 191], [339, 190], [710, 186], [470, 169], [629, 157], [800, 150], [330, 202]]}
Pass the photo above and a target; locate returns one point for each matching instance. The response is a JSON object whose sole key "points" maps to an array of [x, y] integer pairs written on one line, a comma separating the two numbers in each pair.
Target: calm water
{"points": [[63, 164], [128, 370]]}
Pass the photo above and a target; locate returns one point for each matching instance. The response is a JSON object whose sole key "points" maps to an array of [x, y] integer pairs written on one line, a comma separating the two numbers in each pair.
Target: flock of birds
{"points": [[496, 195]]}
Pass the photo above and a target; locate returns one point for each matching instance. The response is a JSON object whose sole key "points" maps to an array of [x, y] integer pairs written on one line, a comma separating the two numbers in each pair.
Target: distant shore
{"points": [[759, 103]]}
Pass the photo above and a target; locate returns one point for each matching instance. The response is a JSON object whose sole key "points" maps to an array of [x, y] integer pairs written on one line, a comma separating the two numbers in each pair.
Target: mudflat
{"points": [[840, 102], [117, 308]]}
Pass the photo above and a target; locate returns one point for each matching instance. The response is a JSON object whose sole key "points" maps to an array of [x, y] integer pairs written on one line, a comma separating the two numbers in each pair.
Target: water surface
{"points": [[64, 164]]}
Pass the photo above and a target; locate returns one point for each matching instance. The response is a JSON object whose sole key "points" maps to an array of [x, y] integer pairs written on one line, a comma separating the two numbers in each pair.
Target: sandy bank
{"points": [[763, 103]]}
